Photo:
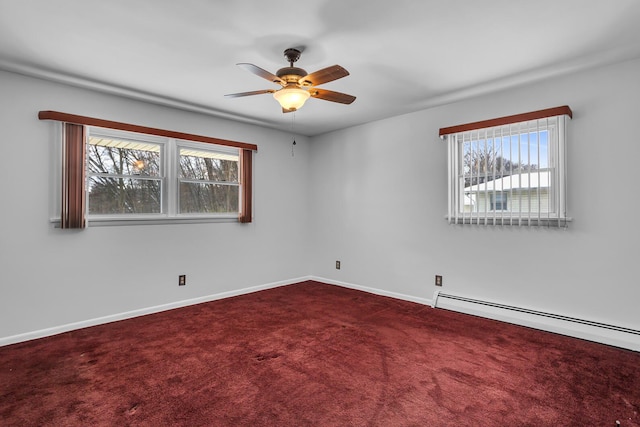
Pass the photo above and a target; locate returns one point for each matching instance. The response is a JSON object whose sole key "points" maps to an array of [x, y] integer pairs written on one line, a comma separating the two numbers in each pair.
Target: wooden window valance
{"points": [[516, 118]]}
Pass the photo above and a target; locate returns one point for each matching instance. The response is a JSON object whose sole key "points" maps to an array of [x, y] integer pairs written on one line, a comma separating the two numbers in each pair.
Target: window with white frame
{"points": [[509, 171], [207, 180], [136, 176], [124, 176], [499, 201], [113, 171]]}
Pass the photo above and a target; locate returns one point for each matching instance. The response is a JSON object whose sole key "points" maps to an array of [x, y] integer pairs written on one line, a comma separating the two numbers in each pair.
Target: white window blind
{"points": [[509, 171]]}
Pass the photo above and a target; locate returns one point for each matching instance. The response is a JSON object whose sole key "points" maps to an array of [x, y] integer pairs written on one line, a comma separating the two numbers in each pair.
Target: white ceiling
{"points": [[403, 55]]}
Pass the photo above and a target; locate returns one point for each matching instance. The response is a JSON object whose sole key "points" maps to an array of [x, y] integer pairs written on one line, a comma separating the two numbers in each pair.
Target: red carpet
{"points": [[316, 355]]}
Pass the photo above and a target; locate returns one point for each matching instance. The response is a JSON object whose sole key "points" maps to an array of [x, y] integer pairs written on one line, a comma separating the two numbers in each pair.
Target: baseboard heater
{"points": [[439, 295]]}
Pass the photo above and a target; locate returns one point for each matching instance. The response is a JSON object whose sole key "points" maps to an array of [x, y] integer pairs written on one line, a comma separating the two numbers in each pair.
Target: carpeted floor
{"points": [[313, 354]]}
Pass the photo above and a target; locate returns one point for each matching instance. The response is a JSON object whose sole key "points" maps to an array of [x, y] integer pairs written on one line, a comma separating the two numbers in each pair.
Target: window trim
{"points": [[507, 120], [109, 124], [73, 210]]}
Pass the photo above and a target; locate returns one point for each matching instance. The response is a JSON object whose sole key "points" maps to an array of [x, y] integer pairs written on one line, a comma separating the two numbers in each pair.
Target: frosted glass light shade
{"points": [[291, 98]]}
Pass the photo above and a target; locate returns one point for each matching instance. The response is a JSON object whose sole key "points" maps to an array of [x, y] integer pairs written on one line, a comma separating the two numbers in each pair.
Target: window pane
{"points": [[208, 198], [486, 157], [208, 165], [499, 201], [507, 172], [108, 195], [121, 157]]}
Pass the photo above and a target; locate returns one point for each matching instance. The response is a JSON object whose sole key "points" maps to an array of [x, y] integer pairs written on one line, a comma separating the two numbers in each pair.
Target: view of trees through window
{"points": [[123, 177], [208, 182], [508, 173], [128, 177], [488, 158]]}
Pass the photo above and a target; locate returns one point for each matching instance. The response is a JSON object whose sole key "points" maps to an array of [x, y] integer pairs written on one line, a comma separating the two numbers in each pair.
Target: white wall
{"points": [[376, 195], [126, 268], [380, 197]]}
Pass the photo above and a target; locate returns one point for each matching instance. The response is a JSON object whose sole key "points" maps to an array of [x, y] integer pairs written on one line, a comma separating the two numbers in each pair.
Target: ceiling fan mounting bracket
{"points": [[292, 55]]}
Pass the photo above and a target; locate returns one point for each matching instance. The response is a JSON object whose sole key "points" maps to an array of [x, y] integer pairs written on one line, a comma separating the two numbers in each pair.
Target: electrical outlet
{"points": [[337, 265], [438, 280], [182, 280]]}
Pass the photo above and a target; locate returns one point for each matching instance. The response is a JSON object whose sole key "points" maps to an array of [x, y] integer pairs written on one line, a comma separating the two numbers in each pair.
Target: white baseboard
{"points": [[588, 330], [576, 330], [376, 291], [13, 339]]}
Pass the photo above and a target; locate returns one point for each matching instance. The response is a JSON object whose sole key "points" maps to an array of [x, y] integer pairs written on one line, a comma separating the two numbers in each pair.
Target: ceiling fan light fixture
{"points": [[291, 98], [295, 82]]}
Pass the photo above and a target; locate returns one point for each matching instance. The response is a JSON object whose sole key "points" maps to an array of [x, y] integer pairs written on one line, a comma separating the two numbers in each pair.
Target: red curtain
{"points": [[72, 215], [246, 168]]}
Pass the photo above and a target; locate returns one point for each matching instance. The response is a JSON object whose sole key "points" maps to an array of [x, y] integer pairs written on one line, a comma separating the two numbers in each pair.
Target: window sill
{"points": [[509, 221], [152, 220]]}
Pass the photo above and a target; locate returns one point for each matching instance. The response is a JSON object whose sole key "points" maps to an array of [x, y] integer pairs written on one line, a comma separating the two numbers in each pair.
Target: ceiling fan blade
{"points": [[329, 95], [261, 72], [325, 75], [255, 92]]}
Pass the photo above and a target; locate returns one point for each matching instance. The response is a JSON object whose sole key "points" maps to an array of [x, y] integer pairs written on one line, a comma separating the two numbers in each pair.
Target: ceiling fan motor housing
{"points": [[291, 74]]}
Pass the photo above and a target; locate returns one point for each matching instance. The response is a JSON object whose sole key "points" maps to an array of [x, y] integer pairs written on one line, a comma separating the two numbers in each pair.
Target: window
{"points": [[499, 201], [509, 171], [139, 176], [208, 181], [114, 171], [123, 176]]}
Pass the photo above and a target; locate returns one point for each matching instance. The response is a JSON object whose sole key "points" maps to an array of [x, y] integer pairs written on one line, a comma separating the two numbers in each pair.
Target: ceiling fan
{"points": [[297, 85]]}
